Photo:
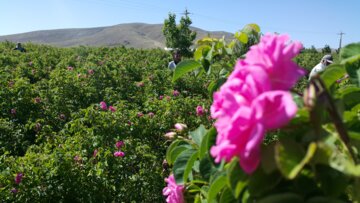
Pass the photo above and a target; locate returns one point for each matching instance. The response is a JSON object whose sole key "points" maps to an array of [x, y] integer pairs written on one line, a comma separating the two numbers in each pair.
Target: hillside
{"points": [[137, 35]]}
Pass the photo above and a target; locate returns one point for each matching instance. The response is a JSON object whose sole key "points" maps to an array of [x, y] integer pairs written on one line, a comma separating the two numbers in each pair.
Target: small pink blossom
{"points": [[91, 72], [168, 98], [70, 68], [112, 109], [173, 191], [199, 111], [140, 84], [119, 154], [180, 126], [95, 153], [18, 178], [170, 135], [176, 93], [37, 100], [119, 144], [79, 75], [13, 111], [140, 114], [129, 123], [151, 114], [31, 63], [161, 97], [103, 105], [77, 158], [14, 191]]}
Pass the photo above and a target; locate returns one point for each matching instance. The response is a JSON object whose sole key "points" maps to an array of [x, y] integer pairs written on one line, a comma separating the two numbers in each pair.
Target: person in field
{"points": [[19, 47], [320, 67], [175, 61]]}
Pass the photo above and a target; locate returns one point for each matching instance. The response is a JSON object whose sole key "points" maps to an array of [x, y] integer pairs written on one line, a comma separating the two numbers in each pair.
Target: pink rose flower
{"points": [[140, 114], [13, 111], [199, 111], [14, 191], [119, 154], [70, 68], [18, 178], [37, 100], [119, 144], [112, 109], [173, 191], [180, 126], [161, 97], [103, 105], [151, 114], [140, 84], [170, 135], [176, 93], [91, 72], [252, 100], [95, 153]]}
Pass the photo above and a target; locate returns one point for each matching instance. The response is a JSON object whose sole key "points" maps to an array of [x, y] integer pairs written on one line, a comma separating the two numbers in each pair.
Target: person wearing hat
{"points": [[175, 61], [19, 47], [325, 61]]}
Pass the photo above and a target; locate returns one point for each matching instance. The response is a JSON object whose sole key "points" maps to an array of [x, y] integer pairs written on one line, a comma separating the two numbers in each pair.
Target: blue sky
{"points": [[313, 22]]}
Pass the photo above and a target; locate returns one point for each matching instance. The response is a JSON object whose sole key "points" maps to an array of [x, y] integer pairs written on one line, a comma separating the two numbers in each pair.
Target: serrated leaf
{"points": [[290, 157], [332, 74], [184, 67], [236, 178], [176, 152], [198, 134], [171, 148], [207, 142], [218, 184], [180, 168]]}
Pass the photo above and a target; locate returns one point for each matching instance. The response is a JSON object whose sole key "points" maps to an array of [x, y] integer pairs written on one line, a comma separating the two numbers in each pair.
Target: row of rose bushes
{"points": [[63, 113]]}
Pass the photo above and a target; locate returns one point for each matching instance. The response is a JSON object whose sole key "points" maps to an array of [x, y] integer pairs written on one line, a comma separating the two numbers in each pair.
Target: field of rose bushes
{"points": [[63, 113], [230, 124]]}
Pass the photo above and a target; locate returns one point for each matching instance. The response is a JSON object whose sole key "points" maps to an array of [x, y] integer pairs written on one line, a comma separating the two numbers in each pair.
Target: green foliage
{"points": [[179, 36], [315, 158], [57, 124]]}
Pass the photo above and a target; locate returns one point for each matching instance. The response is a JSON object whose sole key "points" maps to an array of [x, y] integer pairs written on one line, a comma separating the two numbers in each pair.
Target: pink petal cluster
{"points": [[255, 99], [199, 111], [91, 71], [180, 126], [112, 108], [103, 105], [119, 144], [173, 191], [176, 93], [151, 114], [119, 154], [70, 68], [161, 97], [18, 178]]}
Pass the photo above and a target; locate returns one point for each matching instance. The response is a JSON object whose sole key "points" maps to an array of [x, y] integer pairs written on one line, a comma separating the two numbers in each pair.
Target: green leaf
{"points": [[268, 162], [324, 200], [242, 37], [282, 198], [207, 142], [349, 51], [181, 166], [236, 178], [198, 134], [332, 74], [251, 28], [215, 85], [226, 196], [170, 149], [184, 67], [351, 97], [206, 167], [331, 181], [291, 158], [352, 66], [201, 51], [176, 152], [260, 183], [218, 184], [190, 165]]}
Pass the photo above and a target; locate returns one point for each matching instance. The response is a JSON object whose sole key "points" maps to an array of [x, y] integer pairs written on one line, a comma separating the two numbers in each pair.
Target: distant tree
{"points": [[326, 50], [179, 36]]}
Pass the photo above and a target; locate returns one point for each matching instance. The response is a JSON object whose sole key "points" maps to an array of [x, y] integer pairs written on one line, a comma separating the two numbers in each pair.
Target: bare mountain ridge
{"points": [[137, 35]]}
